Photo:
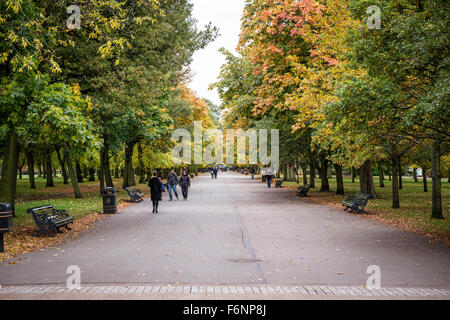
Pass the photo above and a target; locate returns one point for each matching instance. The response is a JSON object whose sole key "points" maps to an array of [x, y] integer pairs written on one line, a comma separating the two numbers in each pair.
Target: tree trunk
{"points": [[353, 174], [312, 173], [5, 162], [400, 175], [424, 177], [141, 165], [48, 169], [30, 159], [128, 172], [436, 196], [44, 168], [20, 169], [91, 174], [284, 168], [339, 179], [105, 172], [116, 173], [85, 171], [323, 173], [8, 182], [72, 174], [63, 167], [107, 169], [78, 171], [305, 175], [366, 179], [39, 168], [292, 176], [415, 175], [395, 180], [101, 174], [381, 175]]}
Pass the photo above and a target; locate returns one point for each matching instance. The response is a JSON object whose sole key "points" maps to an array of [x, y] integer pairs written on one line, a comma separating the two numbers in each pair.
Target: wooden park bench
{"points": [[279, 184], [303, 191], [49, 220], [357, 203], [135, 194]]}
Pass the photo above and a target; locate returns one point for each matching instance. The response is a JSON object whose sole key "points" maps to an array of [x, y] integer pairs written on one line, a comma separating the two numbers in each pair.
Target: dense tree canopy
{"points": [[349, 95], [94, 95]]}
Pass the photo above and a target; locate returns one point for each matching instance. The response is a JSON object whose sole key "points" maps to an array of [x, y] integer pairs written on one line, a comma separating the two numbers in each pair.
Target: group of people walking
{"points": [[157, 187], [213, 172]]}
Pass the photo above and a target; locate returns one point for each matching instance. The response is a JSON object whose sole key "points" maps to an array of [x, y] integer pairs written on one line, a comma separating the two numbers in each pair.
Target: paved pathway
{"points": [[235, 232]]}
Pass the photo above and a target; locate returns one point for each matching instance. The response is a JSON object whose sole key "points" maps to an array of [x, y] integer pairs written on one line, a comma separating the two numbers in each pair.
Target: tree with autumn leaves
{"points": [[358, 96], [90, 94]]}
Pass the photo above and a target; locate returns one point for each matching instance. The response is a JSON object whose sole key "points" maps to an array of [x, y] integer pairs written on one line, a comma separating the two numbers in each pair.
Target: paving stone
{"points": [[224, 290], [256, 290], [264, 290], [240, 290], [163, 290]]}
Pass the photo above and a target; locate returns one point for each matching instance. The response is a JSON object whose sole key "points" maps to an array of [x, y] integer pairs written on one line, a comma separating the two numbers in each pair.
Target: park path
{"points": [[236, 231]]}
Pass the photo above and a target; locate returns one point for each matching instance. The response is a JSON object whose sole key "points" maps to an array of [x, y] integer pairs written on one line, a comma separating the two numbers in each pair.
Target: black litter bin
{"points": [[109, 201], [5, 222]]}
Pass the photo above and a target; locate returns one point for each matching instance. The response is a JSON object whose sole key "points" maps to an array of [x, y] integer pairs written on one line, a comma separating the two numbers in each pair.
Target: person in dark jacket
{"points": [[185, 183], [155, 190], [269, 177], [215, 170], [172, 181]]}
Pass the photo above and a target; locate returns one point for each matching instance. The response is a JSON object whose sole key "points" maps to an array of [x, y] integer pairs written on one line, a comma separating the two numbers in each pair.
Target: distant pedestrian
{"points": [[155, 191], [253, 173], [215, 170], [185, 183], [172, 181], [269, 177], [211, 170]]}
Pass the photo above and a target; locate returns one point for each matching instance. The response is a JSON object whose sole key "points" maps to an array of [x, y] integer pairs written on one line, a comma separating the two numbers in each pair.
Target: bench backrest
{"points": [[130, 190], [362, 198], [304, 189], [41, 213]]}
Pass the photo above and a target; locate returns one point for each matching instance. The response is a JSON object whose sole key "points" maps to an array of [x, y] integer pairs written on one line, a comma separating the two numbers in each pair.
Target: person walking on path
{"points": [[253, 173], [211, 170], [215, 169], [269, 177], [172, 181], [185, 183], [155, 191]]}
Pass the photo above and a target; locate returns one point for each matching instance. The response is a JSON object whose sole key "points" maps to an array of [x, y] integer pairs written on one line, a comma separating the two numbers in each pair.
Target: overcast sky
{"points": [[226, 15]]}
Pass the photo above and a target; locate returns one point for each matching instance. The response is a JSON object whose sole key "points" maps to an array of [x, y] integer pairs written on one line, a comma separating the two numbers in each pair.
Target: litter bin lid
{"points": [[5, 207], [109, 190]]}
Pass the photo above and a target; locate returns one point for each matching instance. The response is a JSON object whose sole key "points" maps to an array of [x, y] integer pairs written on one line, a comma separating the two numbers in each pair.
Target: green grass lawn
{"points": [[415, 205]]}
